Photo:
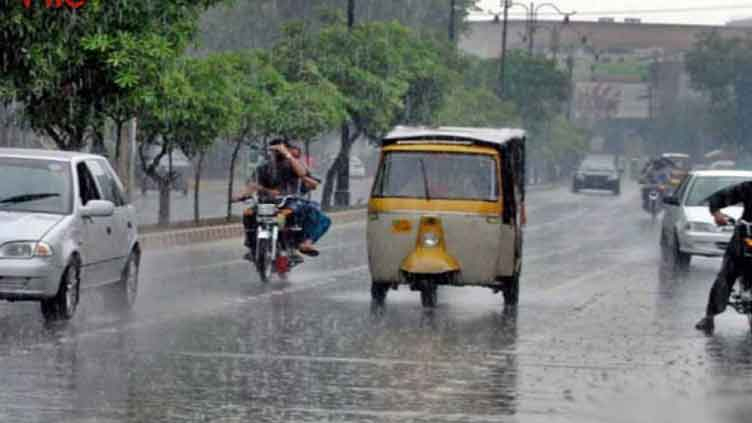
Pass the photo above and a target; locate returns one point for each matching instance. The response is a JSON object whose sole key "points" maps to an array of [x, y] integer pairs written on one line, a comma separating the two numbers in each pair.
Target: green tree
{"points": [[71, 68], [374, 66], [196, 103], [722, 69]]}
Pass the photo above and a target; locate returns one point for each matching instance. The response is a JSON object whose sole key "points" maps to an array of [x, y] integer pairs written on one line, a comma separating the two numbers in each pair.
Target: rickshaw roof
{"points": [[495, 136]]}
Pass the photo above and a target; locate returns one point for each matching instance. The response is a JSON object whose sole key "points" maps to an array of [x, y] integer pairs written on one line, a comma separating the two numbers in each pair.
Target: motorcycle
{"points": [[654, 203], [277, 238], [741, 297]]}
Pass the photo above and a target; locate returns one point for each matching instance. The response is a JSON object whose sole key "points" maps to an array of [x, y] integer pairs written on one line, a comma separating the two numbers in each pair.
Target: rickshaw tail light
{"points": [[748, 242]]}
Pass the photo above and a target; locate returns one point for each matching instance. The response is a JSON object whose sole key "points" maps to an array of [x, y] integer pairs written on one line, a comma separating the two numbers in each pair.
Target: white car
{"points": [[688, 228], [65, 225]]}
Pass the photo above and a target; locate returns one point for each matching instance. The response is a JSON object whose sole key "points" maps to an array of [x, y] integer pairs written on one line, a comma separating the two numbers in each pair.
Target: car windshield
{"points": [[704, 187], [37, 186], [597, 166], [448, 176]]}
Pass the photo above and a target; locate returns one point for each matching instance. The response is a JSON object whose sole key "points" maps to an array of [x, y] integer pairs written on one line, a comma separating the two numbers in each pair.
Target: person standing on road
{"points": [[731, 269]]}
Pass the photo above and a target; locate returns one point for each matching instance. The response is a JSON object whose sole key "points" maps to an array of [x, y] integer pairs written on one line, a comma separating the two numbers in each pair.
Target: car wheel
{"points": [[575, 188], [617, 189], [126, 291], [379, 292], [429, 294], [64, 304], [681, 260]]}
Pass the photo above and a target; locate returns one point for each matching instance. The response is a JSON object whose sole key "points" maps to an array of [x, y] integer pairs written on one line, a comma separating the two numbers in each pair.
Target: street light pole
{"points": [[350, 13], [502, 63], [452, 20]]}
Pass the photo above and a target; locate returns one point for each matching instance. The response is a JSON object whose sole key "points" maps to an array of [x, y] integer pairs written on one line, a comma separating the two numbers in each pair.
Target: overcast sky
{"points": [[712, 12]]}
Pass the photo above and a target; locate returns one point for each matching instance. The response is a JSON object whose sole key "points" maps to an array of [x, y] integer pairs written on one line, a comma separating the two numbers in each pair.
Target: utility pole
{"points": [[350, 13], [452, 20], [502, 64], [531, 29]]}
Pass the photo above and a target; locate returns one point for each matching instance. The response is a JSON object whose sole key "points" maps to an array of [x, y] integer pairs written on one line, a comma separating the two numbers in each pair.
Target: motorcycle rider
{"points": [[284, 174], [656, 172], [731, 269]]}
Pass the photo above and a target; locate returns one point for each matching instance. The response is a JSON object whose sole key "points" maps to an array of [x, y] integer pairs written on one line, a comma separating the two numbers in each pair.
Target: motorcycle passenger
{"points": [[731, 269], [284, 175]]}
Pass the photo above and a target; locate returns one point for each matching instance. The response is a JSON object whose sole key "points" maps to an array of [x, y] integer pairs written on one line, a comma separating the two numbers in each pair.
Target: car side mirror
{"points": [[98, 208], [671, 200]]}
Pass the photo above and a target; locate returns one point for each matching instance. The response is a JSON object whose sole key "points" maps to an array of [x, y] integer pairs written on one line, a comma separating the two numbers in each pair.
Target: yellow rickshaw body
{"points": [[448, 240]]}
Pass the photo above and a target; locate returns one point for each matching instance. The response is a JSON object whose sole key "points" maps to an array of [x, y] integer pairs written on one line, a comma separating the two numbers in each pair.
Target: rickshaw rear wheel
{"points": [[378, 292], [511, 290], [429, 294]]}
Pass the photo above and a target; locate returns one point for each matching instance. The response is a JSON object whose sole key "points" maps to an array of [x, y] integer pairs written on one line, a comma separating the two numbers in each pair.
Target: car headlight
{"points": [[613, 177], [430, 239], [702, 227], [25, 249], [580, 176]]}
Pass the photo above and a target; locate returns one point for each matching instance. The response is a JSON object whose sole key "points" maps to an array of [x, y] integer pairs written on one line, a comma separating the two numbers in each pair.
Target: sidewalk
{"points": [[180, 237]]}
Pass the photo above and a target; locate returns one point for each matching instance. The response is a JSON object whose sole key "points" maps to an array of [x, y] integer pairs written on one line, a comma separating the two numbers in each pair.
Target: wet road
{"points": [[598, 337]]}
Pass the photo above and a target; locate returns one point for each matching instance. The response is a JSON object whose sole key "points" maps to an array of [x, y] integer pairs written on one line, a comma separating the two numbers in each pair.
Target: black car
{"points": [[598, 173]]}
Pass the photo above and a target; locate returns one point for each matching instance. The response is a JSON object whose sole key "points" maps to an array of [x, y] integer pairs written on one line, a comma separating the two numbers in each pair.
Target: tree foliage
{"points": [[722, 69], [69, 65]]}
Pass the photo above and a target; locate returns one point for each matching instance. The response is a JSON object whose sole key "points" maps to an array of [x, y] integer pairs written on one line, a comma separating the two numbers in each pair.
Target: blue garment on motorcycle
{"points": [[309, 215]]}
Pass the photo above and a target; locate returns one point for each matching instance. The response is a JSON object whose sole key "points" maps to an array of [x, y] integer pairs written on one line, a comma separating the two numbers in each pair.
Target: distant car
{"points": [[181, 166], [723, 165], [65, 225], [598, 172], [688, 228], [357, 169]]}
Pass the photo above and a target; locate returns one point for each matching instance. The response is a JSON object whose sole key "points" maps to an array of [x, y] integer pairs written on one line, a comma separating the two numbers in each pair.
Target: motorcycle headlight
{"points": [[702, 227], [25, 249], [430, 239]]}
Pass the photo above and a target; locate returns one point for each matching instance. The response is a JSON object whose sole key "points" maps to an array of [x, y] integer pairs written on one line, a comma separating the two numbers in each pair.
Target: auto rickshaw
{"points": [[447, 208], [681, 168]]}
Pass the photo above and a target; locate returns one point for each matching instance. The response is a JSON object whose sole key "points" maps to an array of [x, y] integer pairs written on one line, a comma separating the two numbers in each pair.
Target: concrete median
{"points": [[193, 235]]}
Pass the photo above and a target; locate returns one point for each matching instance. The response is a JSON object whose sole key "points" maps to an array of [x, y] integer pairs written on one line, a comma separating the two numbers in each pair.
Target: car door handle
{"points": [[109, 230]]}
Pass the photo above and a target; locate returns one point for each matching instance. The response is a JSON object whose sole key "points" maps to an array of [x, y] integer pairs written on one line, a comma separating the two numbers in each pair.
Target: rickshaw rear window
{"points": [[438, 176]]}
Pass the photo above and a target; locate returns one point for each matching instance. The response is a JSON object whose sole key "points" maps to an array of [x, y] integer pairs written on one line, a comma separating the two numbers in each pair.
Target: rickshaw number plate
{"points": [[401, 226]]}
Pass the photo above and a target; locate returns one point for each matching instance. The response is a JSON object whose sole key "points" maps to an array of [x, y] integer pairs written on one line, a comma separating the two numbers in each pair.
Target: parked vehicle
{"points": [[598, 173], [688, 228], [426, 229], [357, 168], [181, 167], [65, 225]]}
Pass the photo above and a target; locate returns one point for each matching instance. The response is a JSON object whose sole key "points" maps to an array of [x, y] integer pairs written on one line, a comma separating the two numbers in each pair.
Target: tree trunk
{"points": [[231, 184], [164, 201], [342, 194], [118, 141], [197, 187], [326, 195]]}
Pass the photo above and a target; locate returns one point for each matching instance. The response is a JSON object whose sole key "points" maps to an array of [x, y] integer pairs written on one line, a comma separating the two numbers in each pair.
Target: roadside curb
{"points": [[190, 236]]}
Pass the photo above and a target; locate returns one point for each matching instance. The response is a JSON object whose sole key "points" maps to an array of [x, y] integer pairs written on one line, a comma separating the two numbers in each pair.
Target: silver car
{"points": [[688, 228], [65, 225]]}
